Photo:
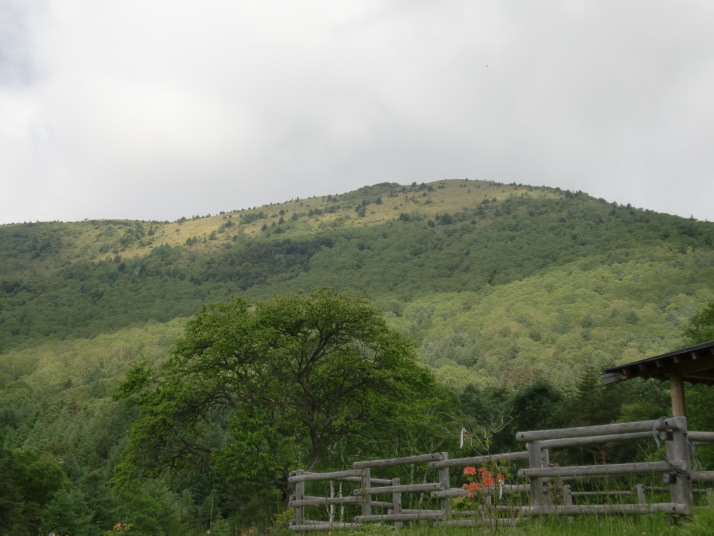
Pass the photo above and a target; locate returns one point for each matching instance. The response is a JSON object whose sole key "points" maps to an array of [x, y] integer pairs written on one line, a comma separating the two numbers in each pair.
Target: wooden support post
{"points": [[640, 491], [445, 485], [299, 495], [366, 497], [567, 495], [678, 451], [544, 456], [547, 483], [397, 502], [676, 386], [537, 485]]}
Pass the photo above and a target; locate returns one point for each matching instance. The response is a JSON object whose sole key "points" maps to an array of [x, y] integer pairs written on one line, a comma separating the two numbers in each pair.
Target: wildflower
{"points": [[469, 470], [473, 486]]}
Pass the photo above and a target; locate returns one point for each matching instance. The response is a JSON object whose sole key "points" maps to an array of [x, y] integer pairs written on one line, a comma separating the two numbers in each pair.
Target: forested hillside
{"points": [[507, 291]]}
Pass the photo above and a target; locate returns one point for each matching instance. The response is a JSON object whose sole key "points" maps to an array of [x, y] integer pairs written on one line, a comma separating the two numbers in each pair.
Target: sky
{"points": [[162, 109]]}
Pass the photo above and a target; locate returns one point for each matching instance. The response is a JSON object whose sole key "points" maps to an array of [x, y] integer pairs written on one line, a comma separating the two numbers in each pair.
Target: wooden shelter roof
{"points": [[694, 364]]}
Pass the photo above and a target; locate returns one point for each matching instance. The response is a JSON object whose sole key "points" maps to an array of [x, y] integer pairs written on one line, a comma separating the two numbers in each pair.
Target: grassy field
{"points": [[651, 525]]}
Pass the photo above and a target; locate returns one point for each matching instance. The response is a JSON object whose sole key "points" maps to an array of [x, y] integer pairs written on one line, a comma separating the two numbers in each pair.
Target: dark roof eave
{"points": [[665, 365]]}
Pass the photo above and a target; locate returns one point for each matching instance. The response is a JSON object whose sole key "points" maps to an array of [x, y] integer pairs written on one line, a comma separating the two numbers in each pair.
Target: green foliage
{"points": [[700, 328], [255, 389], [600, 525], [27, 484], [51, 288], [510, 293], [494, 417], [535, 406], [254, 263], [701, 524], [250, 217], [700, 398], [68, 513]]}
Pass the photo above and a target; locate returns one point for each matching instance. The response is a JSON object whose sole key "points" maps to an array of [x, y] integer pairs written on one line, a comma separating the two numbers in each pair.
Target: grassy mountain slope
{"points": [[498, 284], [396, 243]]}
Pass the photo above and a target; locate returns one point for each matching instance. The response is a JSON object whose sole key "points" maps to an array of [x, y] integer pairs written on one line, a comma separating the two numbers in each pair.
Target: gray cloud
{"points": [[157, 109]]}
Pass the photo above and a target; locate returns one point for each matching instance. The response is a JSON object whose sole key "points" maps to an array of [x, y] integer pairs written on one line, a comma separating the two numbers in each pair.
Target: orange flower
{"points": [[469, 470], [473, 486]]}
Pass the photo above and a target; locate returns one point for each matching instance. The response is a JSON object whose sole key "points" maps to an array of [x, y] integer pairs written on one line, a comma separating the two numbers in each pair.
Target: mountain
{"points": [[499, 286]]}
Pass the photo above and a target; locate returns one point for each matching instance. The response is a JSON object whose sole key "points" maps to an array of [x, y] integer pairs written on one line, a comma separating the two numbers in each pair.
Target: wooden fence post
{"points": [[445, 485], [397, 502], [299, 495], [548, 482], [567, 495], [680, 484], [537, 485], [366, 497]]}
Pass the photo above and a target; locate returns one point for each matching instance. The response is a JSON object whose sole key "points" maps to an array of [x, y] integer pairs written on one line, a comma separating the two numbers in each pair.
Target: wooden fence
{"points": [[356, 496]]}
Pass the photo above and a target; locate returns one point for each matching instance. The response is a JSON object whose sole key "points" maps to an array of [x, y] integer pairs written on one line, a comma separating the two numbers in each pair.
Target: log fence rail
{"points": [[542, 489]]}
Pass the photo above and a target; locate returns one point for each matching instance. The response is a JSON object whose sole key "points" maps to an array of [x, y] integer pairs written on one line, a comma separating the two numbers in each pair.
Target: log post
{"points": [[366, 497], [678, 451], [299, 495], [445, 485], [548, 483], [397, 502], [537, 485], [567, 495], [676, 386], [544, 456]]}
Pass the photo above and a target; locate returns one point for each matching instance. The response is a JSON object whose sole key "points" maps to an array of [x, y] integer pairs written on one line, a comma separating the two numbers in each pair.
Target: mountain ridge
{"points": [[398, 243]]}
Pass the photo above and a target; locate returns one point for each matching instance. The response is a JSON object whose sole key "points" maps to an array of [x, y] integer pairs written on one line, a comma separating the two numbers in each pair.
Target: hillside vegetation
{"points": [[499, 286], [497, 283]]}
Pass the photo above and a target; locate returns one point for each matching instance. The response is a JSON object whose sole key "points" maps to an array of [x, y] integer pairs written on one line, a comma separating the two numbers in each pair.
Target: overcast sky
{"points": [[158, 109]]}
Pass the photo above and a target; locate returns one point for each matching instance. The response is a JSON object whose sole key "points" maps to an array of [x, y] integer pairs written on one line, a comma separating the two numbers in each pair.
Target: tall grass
{"points": [[701, 524]]}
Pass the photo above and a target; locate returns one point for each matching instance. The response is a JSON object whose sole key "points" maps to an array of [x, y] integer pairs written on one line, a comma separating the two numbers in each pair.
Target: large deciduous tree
{"points": [[260, 387]]}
